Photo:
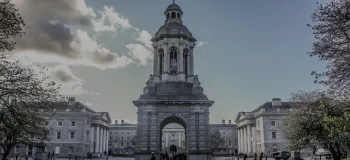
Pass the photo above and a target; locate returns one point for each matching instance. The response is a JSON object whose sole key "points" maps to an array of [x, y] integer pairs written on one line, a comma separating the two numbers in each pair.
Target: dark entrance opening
{"points": [[173, 148]]}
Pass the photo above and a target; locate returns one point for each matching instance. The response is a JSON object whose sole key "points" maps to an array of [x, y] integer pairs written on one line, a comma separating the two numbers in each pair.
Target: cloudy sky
{"points": [[100, 51]]}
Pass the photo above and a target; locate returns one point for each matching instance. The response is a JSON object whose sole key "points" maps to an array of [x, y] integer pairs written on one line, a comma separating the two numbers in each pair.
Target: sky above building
{"points": [[247, 53]]}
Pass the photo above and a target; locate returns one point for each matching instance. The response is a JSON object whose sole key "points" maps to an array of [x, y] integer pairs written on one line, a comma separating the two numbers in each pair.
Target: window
{"points": [[121, 144], [58, 135], [59, 123], [70, 149], [87, 135], [173, 60], [173, 15], [72, 123], [274, 135], [273, 123], [127, 138], [72, 135], [173, 135], [46, 123], [178, 15], [167, 15], [274, 147], [122, 138], [128, 133], [223, 132]]}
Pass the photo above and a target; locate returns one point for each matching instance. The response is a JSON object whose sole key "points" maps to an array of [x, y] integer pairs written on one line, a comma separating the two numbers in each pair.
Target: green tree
{"points": [[215, 140], [331, 29], [311, 123]]}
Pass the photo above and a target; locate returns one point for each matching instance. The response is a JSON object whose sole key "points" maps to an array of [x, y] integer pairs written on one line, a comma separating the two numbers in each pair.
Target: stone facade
{"points": [[260, 130], [173, 93], [122, 139], [228, 133], [76, 130], [173, 134]]}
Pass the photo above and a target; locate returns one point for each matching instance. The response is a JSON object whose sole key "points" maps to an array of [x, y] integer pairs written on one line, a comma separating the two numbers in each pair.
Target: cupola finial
{"points": [[174, 1]]}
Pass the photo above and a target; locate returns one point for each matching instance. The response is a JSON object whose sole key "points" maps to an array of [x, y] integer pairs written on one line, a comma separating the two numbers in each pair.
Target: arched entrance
{"points": [[174, 134]]}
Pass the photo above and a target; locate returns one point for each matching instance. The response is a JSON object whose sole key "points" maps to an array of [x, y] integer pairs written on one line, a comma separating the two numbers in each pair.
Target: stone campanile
{"points": [[173, 93]]}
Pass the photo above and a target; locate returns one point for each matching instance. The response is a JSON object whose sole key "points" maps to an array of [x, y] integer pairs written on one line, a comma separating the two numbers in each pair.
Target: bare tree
{"points": [[331, 29], [26, 96], [308, 126], [10, 25], [215, 140]]}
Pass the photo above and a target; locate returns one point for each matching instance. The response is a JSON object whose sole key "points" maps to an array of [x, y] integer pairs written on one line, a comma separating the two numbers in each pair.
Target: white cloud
{"points": [[201, 43], [70, 85], [110, 21], [142, 51]]}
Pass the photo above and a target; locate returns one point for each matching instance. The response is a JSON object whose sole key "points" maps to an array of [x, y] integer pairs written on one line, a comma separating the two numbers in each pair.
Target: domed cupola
{"points": [[173, 26]]}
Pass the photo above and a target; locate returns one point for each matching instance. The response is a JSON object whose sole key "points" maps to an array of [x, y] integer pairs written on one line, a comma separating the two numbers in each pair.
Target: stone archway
{"points": [[168, 120]]}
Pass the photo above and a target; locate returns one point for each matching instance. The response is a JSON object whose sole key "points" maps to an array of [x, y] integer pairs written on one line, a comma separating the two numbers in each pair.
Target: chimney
{"points": [[229, 121], [276, 102], [122, 121], [116, 121], [71, 99], [223, 121]]}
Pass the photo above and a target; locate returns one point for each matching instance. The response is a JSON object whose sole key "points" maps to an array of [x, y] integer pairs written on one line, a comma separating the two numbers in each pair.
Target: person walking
{"points": [[153, 157]]}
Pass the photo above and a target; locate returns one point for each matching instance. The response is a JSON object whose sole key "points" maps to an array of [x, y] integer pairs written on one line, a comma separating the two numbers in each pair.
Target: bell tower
{"points": [[173, 48], [173, 93]]}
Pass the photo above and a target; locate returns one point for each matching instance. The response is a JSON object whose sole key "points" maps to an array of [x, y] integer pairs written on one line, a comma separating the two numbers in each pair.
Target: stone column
{"points": [[92, 138], [158, 56], [239, 140], [166, 139], [101, 139], [192, 62], [166, 63], [180, 60], [97, 146], [107, 140], [249, 138], [179, 139], [166, 58], [246, 139], [188, 63], [155, 62], [254, 139]]}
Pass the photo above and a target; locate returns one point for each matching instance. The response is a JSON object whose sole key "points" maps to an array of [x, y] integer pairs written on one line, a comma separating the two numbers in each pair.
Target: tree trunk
{"points": [[4, 156]]}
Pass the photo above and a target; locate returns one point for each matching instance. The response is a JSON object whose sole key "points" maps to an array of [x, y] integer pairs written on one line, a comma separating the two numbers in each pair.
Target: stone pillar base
{"points": [[200, 156]]}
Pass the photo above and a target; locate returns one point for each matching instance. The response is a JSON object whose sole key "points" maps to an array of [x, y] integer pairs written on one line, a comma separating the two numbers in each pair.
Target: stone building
{"points": [[173, 93], [121, 138], [174, 134], [76, 130], [260, 129], [228, 133]]}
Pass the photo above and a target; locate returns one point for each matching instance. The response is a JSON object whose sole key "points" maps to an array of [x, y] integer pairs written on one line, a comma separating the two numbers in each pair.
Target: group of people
{"points": [[169, 156]]}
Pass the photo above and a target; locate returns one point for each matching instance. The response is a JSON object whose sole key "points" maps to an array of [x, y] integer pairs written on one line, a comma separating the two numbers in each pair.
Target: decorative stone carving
{"points": [[196, 82], [173, 66]]}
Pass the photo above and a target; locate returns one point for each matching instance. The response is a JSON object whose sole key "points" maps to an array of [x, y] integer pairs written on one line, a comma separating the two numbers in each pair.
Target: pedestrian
{"points": [[49, 155], [153, 157], [245, 157], [255, 156]]}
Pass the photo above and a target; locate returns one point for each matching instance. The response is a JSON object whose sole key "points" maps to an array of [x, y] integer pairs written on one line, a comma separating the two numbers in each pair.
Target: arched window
{"points": [[161, 60], [167, 16], [186, 51], [173, 15], [173, 60], [178, 15]]}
